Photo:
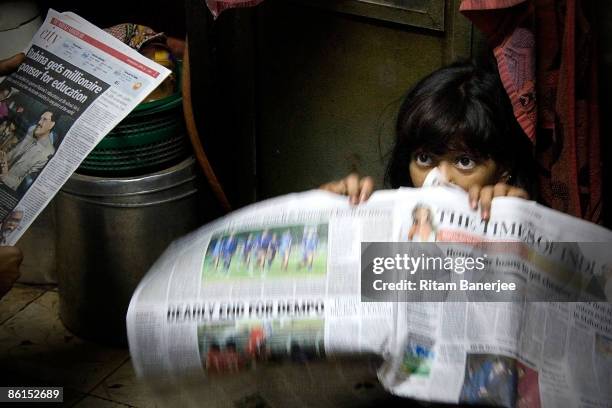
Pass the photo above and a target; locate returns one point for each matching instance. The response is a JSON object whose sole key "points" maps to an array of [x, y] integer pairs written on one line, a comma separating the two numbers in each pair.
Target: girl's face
{"points": [[459, 168]]}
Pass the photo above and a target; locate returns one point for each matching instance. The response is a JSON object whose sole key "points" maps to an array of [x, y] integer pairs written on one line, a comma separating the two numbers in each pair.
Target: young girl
{"points": [[459, 120]]}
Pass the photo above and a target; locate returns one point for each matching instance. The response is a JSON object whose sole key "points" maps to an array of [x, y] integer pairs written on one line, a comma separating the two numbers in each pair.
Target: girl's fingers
{"points": [[518, 192], [337, 187], [500, 190], [486, 196], [367, 187], [357, 189], [352, 188], [474, 194], [332, 187]]}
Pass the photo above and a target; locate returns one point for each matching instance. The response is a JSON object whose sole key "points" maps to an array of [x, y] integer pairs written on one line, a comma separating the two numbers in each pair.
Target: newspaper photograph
{"points": [[288, 251], [241, 344], [75, 84], [286, 286]]}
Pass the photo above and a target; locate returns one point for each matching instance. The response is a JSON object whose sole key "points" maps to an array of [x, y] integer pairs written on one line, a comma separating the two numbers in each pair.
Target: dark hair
{"points": [[55, 115], [17, 121], [11, 119], [461, 107]]}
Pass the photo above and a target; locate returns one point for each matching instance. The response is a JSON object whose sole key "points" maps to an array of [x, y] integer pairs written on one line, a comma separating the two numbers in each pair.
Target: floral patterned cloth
{"points": [[217, 6], [135, 35], [563, 121]]}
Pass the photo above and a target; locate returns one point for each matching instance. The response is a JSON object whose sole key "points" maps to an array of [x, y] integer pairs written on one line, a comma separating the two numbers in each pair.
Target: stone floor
{"points": [[36, 350]]}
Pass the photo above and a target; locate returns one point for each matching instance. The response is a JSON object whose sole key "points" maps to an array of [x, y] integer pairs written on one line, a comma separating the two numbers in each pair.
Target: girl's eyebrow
{"points": [[454, 153], [465, 152]]}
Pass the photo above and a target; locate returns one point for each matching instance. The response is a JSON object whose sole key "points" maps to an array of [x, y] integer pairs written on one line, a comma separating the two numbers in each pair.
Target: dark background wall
{"points": [[329, 86], [293, 94]]}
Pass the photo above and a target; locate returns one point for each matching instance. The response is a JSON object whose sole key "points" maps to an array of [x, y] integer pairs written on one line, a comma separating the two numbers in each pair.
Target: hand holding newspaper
{"points": [[76, 83], [291, 302]]}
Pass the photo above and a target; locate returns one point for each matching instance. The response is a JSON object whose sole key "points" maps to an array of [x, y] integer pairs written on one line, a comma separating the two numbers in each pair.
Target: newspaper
{"points": [[251, 307], [76, 83]]}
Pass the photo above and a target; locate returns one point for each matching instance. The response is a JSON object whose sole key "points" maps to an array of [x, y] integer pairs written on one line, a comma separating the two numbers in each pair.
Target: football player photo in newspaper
{"points": [[279, 252]]}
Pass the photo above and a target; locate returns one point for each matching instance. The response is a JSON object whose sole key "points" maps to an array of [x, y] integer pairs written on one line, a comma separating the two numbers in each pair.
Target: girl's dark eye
{"points": [[423, 159], [465, 163]]}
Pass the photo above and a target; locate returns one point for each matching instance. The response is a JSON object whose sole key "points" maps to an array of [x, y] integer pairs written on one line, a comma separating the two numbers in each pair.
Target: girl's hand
{"points": [[484, 196], [358, 189]]}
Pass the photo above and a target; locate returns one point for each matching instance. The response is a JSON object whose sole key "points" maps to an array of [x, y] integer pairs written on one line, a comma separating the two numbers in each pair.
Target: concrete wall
{"points": [[329, 85]]}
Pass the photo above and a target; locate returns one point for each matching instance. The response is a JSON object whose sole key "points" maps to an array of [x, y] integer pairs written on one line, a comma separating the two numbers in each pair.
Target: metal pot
{"points": [[110, 231]]}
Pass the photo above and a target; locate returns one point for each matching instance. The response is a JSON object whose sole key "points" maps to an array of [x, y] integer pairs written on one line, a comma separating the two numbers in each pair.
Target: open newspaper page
{"points": [[527, 353], [76, 83], [250, 306]]}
